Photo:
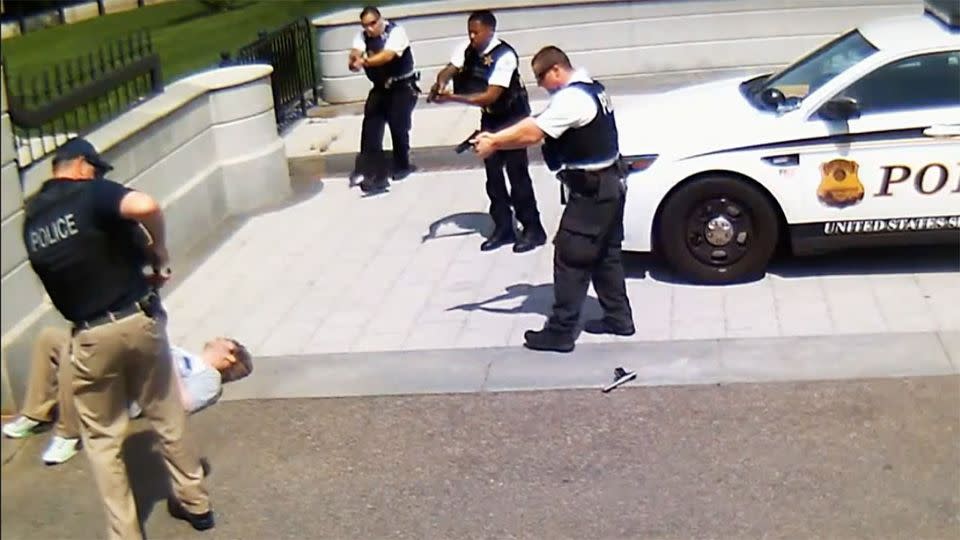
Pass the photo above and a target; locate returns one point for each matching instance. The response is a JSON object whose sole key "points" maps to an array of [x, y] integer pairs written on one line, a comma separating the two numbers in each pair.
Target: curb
{"points": [[426, 158], [591, 365]]}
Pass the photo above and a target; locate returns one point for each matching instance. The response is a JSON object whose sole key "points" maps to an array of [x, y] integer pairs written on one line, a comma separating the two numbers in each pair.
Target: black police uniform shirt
{"points": [[580, 127], [394, 38], [84, 252]]}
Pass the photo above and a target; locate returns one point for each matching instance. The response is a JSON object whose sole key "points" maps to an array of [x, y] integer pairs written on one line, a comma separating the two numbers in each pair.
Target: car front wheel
{"points": [[718, 230]]}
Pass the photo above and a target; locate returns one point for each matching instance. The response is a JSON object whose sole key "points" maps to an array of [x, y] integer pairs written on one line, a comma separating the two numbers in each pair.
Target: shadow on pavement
{"points": [[464, 224], [537, 299], [149, 480], [148, 476], [863, 261], [304, 188]]}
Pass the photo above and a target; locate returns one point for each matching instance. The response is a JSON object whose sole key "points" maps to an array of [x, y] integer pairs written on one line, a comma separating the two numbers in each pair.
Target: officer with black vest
{"points": [[85, 242], [382, 50], [484, 73], [581, 146]]}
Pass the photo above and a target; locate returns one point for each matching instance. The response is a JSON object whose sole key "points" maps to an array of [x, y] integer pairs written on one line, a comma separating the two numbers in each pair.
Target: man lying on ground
{"points": [[200, 378]]}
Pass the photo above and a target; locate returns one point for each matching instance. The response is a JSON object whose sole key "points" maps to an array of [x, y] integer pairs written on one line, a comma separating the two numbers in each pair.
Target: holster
{"points": [[586, 183], [593, 213]]}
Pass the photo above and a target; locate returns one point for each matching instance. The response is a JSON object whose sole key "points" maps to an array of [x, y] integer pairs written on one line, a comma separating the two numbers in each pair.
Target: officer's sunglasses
{"points": [[370, 25]]}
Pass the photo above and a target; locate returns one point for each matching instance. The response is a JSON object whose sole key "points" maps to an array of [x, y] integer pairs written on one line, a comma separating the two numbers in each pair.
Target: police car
{"points": [[856, 143]]}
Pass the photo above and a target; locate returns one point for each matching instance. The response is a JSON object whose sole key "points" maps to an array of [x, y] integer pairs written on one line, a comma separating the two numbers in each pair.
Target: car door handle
{"points": [[943, 130], [783, 160]]}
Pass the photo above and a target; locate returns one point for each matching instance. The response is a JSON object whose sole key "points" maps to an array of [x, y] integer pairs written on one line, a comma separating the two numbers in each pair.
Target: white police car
{"points": [[857, 143]]}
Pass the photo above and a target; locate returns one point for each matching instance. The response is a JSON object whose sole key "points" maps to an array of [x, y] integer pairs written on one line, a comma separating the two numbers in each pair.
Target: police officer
{"points": [[484, 73], [581, 146], [82, 238], [382, 50]]}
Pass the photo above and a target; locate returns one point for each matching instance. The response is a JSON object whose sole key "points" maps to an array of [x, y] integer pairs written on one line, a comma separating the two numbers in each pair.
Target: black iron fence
{"points": [[291, 52], [77, 96]]}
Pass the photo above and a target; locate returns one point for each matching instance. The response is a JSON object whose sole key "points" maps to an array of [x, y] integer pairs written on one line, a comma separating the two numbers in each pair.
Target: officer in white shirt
{"points": [[581, 146], [199, 377], [382, 50], [484, 71]]}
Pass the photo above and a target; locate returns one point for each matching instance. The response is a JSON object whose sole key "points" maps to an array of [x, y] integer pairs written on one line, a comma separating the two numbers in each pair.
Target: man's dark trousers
{"points": [[386, 106], [588, 247], [520, 197]]}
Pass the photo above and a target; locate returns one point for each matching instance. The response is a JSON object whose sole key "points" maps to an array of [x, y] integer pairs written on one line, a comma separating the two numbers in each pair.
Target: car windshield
{"points": [[804, 76]]}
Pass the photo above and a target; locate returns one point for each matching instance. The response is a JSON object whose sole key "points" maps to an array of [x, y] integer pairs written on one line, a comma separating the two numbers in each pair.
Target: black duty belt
{"points": [[149, 305], [582, 183], [410, 78]]}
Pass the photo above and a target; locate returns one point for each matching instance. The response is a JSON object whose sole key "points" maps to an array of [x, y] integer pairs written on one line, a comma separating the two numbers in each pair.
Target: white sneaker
{"points": [[21, 427], [134, 410], [60, 450]]}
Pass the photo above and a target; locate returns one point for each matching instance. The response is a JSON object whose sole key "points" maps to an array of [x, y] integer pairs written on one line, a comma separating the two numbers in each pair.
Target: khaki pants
{"points": [[49, 384], [129, 359]]}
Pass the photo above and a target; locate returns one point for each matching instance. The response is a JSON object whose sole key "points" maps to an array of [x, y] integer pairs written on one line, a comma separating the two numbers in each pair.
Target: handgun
{"points": [[620, 376], [466, 144]]}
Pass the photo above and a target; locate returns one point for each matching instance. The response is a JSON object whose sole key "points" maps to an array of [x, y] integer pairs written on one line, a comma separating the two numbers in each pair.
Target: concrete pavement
{"points": [[394, 285], [858, 459], [388, 297], [345, 274]]}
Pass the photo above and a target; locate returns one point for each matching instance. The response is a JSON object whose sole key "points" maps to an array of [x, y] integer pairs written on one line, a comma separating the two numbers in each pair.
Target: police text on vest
{"points": [[53, 232]]}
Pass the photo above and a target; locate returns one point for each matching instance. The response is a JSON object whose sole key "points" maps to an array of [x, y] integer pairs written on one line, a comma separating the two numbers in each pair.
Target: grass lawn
{"points": [[186, 34]]}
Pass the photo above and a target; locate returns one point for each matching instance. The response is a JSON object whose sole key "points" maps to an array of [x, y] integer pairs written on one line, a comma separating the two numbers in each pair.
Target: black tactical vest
{"points": [[512, 105], [590, 147], [398, 68], [87, 265]]}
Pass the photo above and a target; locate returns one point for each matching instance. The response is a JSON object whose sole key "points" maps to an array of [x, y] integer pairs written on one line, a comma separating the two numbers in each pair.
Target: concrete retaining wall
{"points": [[207, 148], [618, 42], [81, 12]]}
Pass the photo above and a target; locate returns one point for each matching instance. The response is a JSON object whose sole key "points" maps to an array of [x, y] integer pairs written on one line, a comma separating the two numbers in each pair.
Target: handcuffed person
{"points": [[579, 132], [199, 376]]}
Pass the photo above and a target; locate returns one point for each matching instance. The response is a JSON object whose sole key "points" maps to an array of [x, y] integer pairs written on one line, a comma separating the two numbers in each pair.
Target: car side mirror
{"points": [[840, 108], [772, 97]]}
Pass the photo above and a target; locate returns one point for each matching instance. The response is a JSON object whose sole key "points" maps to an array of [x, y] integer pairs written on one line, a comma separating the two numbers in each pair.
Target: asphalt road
{"points": [[857, 459]]}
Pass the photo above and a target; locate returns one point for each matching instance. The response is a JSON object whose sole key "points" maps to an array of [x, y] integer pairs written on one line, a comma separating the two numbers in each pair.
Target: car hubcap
{"points": [[719, 232]]}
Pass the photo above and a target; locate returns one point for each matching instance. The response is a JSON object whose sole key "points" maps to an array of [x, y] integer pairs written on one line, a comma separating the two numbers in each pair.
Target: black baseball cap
{"points": [[80, 147]]}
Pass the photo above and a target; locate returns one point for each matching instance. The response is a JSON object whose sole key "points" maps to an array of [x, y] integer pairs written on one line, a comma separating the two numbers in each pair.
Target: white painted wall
{"points": [[207, 149], [653, 40]]}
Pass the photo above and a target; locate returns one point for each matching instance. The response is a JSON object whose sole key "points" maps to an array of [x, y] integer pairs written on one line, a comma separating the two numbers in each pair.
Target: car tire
{"points": [[717, 230]]}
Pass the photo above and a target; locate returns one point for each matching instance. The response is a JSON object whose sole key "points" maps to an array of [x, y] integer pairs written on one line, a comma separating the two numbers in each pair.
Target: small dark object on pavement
{"points": [[620, 376]]}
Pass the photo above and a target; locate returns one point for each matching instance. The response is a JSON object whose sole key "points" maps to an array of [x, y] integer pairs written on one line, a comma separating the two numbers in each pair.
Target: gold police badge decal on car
{"points": [[840, 185]]}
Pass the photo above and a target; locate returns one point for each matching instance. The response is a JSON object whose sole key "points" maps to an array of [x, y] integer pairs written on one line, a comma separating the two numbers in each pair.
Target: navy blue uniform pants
{"points": [[386, 106], [587, 248]]}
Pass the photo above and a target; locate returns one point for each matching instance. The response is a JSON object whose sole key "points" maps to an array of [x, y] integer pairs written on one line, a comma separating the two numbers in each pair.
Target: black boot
{"points": [[355, 178], [501, 236], [200, 522], [374, 185], [548, 340], [400, 173], [530, 239], [605, 326]]}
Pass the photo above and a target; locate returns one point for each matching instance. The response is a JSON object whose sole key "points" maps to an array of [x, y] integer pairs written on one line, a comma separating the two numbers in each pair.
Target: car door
{"points": [[895, 163]]}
